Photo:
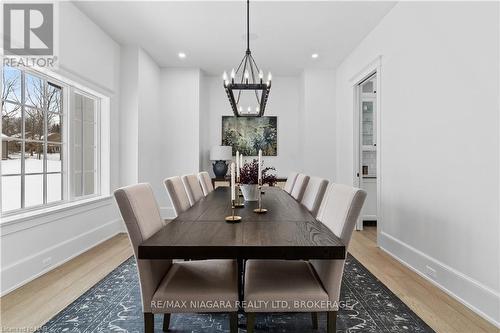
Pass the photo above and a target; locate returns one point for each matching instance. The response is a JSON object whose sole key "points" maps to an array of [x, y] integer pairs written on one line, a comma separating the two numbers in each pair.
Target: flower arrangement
{"points": [[249, 174]]}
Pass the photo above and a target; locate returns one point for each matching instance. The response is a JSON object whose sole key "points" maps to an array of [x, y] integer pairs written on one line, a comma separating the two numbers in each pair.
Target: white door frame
{"points": [[373, 67]]}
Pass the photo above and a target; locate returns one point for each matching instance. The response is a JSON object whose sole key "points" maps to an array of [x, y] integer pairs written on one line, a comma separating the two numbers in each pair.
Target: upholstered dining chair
{"points": [[206, 182], [193, 188], [290, 181], [177, 194], [166, 284], [300, 186], [307, 286], [314, 193]]}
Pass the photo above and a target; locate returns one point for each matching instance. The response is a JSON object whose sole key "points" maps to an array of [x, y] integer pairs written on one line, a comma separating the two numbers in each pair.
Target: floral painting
{"points": [[249, 134]]}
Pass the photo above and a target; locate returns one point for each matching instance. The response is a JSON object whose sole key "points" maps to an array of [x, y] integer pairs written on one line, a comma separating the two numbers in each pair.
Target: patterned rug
{"points": [[114, 305]]}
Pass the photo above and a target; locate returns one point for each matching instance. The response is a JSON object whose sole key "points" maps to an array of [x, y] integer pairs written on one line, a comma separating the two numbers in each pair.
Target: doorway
{"points": [[366, 161]]}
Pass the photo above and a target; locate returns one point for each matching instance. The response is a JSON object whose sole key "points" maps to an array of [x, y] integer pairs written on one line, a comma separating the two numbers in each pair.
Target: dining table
{"points": [[286, 231]]}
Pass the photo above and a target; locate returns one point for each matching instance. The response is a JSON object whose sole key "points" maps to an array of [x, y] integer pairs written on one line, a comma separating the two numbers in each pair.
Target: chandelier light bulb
{"points": [[249, 77]]}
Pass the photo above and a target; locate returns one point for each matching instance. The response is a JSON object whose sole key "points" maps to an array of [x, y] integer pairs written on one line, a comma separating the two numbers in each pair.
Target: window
{"points": [[48, 128], [85, 177]]}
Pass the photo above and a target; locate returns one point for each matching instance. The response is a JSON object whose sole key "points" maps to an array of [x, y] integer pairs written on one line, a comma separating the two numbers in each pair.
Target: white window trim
{"points": [[104, 151]]}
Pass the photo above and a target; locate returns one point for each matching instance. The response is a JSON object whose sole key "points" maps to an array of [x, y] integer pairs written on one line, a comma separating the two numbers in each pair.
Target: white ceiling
{"points": [[212, 34]]}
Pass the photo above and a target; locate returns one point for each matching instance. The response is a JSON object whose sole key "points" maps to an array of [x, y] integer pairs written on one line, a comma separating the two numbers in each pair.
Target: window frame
{"points": [[97, 143], [68, 88]]}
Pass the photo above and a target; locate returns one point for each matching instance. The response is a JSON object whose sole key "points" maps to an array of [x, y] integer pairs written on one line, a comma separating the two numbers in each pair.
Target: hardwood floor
{"points": [[35, 303], [437, 309]]}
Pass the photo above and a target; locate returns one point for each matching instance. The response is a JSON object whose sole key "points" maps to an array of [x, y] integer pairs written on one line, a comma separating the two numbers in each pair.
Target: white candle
{"points": [[260, 165], [241, 160], [233, 194], [238, 165]]}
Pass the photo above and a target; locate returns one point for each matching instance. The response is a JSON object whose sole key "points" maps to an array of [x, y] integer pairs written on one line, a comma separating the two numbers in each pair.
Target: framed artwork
{"points": [[249, 134]]}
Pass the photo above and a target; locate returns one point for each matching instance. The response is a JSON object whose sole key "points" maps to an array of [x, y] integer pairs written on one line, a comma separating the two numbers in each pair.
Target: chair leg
{"points": [[149, 322], [233, 322], [331, 322], [166, 322], [314, 318], [250, 322]]}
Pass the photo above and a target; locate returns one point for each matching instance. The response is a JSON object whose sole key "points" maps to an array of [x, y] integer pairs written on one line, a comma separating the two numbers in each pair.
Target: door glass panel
{"points": [[367, 87], [367, 130]]}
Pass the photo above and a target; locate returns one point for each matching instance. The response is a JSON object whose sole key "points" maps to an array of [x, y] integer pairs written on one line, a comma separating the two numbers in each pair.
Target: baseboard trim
{"points": [[479, 298], [167, 213], [29, 268]]}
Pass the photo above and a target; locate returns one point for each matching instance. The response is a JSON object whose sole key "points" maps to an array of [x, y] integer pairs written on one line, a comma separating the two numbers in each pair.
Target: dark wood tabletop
{"points": [[286, 231]]}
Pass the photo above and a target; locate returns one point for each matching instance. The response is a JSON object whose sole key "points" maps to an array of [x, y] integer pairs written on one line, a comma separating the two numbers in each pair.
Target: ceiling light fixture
{"points": [[314, 55], [244, 80], [181, 55]]}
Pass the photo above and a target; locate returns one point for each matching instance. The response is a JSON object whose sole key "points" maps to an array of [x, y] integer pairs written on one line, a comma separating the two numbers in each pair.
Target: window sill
{"points": [[42, 212]]}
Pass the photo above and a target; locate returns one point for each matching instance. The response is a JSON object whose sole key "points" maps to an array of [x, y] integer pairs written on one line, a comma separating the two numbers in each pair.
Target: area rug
{"points": [[114, 305]]}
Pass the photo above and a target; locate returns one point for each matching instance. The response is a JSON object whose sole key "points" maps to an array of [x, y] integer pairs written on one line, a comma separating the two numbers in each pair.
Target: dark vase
{"points": [[220, 169]]}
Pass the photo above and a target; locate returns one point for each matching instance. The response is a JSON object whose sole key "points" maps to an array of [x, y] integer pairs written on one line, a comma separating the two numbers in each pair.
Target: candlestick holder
{"points": [[233, 218], [260, 210], [238, 203]]}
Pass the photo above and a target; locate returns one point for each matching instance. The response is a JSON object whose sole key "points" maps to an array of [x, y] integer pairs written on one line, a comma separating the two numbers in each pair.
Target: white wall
{"points": [[180, 127], [129, 115], [151, 136], [318, 125], [284, 102], [62, 235], [439, 142]]}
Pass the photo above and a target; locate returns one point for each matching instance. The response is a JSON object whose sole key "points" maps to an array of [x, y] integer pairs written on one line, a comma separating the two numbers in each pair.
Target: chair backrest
{"points": [[339, 211], [141, 215], [206, 182], [300, 186], [314, 193], [290, 181], [193, 188], [177, 194]]}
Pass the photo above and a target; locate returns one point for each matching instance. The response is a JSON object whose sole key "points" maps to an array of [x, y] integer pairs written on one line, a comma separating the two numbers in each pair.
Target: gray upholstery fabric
{"points": [[291, 281], [198, 286], [339, 211], [193, 188], [300, 186], [206, 182], [177, 194], [314, 193], [141, 215], [310, 284], [290, 181]]}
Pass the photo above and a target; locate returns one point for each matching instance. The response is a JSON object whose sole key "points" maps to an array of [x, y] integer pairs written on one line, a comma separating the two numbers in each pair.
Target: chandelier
{"points": [[246, 89]]}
